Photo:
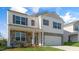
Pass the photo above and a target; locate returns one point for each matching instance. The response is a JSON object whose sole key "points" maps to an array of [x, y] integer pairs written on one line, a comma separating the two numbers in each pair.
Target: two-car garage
{"points": [[53, 40]]}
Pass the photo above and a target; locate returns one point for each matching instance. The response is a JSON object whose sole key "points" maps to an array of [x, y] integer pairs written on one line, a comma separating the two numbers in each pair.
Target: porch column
{"points": [[33, 37], [42, 38], [8, 40], [39, 39]]}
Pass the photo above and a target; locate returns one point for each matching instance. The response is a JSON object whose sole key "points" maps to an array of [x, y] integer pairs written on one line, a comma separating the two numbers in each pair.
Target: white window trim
{"points": [[20, 21], [20, 36], [44, 23], [57, 25]]}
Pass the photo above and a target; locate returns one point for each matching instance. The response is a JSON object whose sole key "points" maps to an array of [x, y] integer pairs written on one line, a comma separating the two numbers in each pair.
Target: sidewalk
{"points": [[67, 48]]}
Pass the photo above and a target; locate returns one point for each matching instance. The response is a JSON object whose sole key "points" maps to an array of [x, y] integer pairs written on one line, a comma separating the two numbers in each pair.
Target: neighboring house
{"points": [[71, 32], [45, 29]]}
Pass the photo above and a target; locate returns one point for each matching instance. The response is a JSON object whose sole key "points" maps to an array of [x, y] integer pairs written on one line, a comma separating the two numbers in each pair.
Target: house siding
{"points": [[38, 28], [70, 32], [50, 28], [10, 19]]}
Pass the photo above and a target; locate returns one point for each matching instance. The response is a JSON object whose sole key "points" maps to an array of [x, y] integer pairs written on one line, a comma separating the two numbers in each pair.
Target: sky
{"points": [[68, 14]]}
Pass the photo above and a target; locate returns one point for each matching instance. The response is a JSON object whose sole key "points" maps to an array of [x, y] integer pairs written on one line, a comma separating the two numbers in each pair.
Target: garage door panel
{"points": [[52, 40]]}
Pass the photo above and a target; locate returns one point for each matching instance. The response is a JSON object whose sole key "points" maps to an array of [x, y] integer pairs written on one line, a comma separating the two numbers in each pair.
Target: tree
{"points": [[1, 35]]}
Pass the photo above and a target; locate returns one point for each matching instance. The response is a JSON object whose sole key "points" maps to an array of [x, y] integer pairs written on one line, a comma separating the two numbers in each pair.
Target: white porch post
{"points": [[33, 37], [8, 40], [42, 38], [39, 39]]}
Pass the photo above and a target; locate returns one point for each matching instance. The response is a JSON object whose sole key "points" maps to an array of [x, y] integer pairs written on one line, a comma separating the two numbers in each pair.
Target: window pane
{"points": [[26, 20], [17, 20], [22, 20], [45, 22], [18, 36], [77, 28], [59, 26], [32, 22], [55, 25], [13, 18], [23, 36]]}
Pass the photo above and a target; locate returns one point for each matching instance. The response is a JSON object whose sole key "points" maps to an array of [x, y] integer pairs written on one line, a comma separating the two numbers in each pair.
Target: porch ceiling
{"points": [[23, 28]]}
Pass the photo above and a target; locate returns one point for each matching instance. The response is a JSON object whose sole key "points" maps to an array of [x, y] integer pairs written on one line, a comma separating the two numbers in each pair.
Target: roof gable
{"points": [[54, 15], [73, 22]]}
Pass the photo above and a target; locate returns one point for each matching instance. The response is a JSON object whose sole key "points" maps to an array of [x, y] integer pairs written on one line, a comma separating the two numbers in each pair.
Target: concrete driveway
{"points": [[67, 48]]}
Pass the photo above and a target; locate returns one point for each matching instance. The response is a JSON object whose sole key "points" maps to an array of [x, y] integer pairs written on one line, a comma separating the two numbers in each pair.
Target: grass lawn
{"points": [[72, 44], [34, 49], [2, 48]]}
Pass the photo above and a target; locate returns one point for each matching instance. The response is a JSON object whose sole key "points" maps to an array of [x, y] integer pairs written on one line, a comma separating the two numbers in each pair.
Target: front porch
{"points": [[25, 38], [73, 37]]}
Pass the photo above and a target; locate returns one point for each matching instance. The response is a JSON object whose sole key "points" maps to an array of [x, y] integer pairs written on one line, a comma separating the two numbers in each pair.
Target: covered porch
{"points": [[73, 37], [25, 36]]}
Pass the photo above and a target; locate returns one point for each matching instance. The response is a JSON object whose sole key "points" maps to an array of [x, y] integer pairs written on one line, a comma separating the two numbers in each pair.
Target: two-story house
{"points": [[45, 29], [71, 32]]}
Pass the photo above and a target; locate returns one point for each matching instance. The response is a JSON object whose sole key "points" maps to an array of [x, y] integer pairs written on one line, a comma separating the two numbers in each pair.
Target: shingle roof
{"points": [[54, 15], [71, 22]]}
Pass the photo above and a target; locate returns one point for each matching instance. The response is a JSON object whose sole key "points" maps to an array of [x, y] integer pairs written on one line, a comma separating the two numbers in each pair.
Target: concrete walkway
{"points": [[67, 48]]}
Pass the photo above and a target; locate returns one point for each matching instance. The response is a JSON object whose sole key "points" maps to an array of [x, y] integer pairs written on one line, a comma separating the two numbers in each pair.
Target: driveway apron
{"points": [[67, 48]]}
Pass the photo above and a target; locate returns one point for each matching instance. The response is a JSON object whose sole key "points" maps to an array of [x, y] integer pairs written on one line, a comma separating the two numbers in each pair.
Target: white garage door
{"points": [[52, 40]]}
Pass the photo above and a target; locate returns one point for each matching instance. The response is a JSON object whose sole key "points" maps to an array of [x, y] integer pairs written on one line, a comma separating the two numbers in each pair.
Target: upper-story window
{"points": [[45, 22], [17, 20], [20, 20], [23, 21], [26, 21], [76, 27], [14, 19], [56, 25], [59, 25], [32, 22]]}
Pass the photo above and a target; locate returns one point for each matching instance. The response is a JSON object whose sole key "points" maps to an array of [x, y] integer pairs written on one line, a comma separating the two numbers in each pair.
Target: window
{"points": [[26, 21], [45, 22], [56, 25], [13, 18], [17, 36], [17, 19], [32, 22], [20, 36], [59, 26], [20, 20], [23, 21], [77, 28]]}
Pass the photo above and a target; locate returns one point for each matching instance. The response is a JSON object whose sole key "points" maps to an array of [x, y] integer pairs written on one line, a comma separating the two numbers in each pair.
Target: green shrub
{"points": [[3, 44], [72, 43]]}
